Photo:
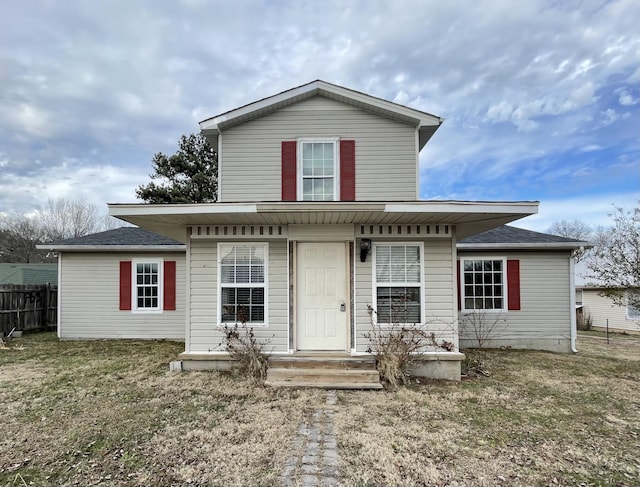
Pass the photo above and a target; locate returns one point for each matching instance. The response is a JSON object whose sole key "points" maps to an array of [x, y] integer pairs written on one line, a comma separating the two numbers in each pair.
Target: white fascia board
{"points": [[421, 118], [519, 246], [185, 209], [520, 207], [113, 248], [213, 123]]}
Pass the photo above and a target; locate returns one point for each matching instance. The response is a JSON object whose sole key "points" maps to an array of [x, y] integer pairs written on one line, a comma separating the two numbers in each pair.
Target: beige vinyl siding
{"points": [[602, 308], [386, 158], [439, 291], [544, 320], [205, 335], [90, 299]]}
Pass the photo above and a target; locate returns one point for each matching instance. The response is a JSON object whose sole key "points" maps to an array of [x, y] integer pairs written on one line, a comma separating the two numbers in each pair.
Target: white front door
{"points": [[321, 296]]}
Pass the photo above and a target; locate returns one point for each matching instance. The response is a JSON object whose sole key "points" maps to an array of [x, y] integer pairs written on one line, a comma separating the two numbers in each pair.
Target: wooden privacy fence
{"points": [[27, 307]]}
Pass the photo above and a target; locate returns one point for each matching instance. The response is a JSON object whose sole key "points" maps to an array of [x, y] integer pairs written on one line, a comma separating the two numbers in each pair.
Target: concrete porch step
{"points": [[311, 362], [328, 374]]}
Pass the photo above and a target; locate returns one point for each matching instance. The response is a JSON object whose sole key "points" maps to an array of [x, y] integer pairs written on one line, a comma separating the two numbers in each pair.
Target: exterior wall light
{"points": [[365, 247]]}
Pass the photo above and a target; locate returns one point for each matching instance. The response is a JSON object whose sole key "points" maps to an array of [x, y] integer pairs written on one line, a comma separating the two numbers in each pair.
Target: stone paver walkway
{"points": [[314, 457]]}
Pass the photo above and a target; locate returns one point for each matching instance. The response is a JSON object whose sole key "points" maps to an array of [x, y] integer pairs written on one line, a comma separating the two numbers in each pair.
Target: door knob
{"points": [[343, 307]]}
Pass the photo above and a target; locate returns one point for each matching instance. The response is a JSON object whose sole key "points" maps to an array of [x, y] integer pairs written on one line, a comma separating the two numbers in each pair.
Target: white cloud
{"points": [[625, 99]]}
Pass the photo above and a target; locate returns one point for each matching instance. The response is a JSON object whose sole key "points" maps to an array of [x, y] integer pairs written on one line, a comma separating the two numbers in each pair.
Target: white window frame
{"points": [[505, 285], [264, 285], [376, 283], [134, 286], [336, 165], [632, 313]]}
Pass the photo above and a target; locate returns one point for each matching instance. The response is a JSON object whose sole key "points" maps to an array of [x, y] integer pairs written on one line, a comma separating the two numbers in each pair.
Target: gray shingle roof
{"points": [[506, 234], [119, 236], [33, 274]]}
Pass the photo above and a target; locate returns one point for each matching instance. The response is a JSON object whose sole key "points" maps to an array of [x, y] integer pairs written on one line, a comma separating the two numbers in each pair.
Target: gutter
{"points": [[572, 304]]}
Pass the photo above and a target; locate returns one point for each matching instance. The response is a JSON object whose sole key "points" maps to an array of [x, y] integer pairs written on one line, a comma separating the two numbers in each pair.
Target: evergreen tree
{"points": [[188, 176]]}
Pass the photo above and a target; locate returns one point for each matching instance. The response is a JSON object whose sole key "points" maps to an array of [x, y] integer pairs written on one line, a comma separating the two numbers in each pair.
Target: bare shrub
{"points": [[397, 349], [247, 352], [474, 364], [481, 326], [584, 321]]}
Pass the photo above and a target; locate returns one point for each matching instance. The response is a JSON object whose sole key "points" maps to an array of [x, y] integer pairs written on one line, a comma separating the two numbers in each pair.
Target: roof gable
{"points": [[426, 123]]}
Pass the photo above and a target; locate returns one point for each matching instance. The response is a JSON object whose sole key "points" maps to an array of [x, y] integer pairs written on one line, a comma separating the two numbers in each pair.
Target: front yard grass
{"points": [[110, 413]]}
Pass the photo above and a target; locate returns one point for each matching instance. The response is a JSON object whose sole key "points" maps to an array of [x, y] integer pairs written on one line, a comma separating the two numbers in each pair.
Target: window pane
{"points": [[242, 273], [497, 265], [244, 295], [307, 151], [227, 273], [328, 189], [468, 265], [257, 295], [307, 189]]}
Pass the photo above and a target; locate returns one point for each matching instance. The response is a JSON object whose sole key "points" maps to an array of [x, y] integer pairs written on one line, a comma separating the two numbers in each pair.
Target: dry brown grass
{"points": [[538, 419], [109, 413]]}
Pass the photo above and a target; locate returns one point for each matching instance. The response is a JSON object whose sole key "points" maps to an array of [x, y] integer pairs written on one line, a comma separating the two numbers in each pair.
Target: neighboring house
{"points": [[604, 313], [123, 283], [28, 274], [318, 218], [516, 289]]}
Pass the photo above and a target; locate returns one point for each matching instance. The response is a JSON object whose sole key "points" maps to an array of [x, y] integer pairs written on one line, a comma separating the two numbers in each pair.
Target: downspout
{"points": [[572, 300]]}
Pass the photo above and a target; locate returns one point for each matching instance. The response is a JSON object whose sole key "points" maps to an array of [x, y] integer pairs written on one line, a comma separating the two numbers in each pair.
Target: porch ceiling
{"points": [[469, 217]]}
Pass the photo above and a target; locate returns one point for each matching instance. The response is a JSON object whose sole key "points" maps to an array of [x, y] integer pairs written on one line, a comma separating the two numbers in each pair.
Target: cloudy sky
{"points": [[541, 99]]}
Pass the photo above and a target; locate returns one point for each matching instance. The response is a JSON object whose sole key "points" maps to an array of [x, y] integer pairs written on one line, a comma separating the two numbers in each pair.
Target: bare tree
{"points": [[615, 259], [58, 220], [18, 239], [62, 219], [576, 229]]}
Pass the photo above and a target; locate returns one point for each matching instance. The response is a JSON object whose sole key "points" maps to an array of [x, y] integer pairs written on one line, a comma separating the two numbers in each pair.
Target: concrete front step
{"points": [[324, 385], [334, 378], [310, 362]]}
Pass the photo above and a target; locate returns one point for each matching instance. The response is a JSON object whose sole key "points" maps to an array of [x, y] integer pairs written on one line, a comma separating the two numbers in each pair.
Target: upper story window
{"points": [[318, 169]]}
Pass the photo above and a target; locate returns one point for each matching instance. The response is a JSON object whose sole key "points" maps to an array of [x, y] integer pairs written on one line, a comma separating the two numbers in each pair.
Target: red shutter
{"points": [[125, 285], [169, 296], [458, 281], [289, 163], [513, 284], [347, 170]]}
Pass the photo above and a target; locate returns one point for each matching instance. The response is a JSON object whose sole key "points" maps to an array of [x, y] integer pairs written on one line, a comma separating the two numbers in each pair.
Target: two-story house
{"points": [[318, 219]]}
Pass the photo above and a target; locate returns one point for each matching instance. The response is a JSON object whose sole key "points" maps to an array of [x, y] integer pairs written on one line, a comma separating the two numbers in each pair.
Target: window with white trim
{"points": [[398, 283], [633, 305], [483, 285], [318, 169], [242, 289], [147, 288]]}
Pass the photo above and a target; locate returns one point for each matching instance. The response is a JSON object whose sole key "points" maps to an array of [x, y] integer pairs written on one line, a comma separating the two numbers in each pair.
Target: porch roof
{"points": [[469, 217]]}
